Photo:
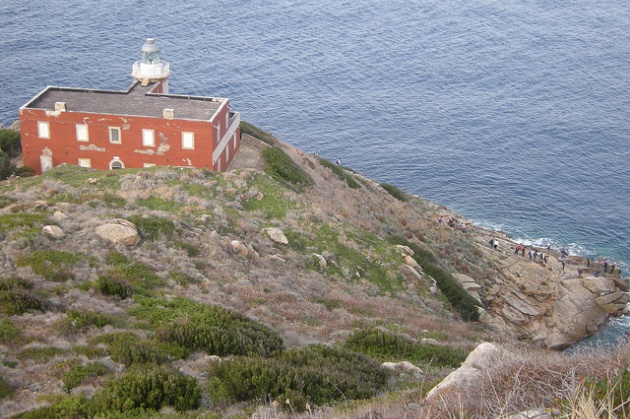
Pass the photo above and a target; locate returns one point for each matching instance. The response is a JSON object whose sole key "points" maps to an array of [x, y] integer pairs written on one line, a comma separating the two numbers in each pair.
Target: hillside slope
{"points": [[246, 264]]}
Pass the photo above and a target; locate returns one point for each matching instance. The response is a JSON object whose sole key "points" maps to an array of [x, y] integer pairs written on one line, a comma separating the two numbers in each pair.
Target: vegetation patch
{"points": [[42, 354], [254, 131], [153, 227], [199, 327], [78, 373], [80, 321], [190, 249], [6, 391], [283, 169], [54, 265], [5, 201], [386, 346], [22, 221], [159, 204], [341, 174], [128, 349], [8, 331], [465, 304], [315, 375], [267, 196], [395, 192]]}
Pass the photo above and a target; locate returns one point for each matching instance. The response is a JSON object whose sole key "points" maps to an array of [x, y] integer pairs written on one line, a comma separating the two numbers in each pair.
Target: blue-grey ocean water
{"points": [[515, 114]]}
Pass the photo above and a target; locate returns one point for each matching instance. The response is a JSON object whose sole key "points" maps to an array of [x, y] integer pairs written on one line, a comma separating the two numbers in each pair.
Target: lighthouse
{"points": [[151, 69]]}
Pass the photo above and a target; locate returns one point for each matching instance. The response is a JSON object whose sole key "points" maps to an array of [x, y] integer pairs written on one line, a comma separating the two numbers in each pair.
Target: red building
{"points": [[140, 127]]}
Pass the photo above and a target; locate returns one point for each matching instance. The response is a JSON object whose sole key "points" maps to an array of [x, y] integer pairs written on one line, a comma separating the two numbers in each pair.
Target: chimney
{"points": [[168, 113], [60, 106]]}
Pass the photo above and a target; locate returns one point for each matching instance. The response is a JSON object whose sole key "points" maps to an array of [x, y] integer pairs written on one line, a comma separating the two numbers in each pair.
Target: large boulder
{"points": [[119, 230], [276, 235], [53, 231]]}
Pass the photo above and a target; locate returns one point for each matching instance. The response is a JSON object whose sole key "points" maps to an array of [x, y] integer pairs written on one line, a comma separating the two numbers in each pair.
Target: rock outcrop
{"points": [[119, 230], [552, 305]]}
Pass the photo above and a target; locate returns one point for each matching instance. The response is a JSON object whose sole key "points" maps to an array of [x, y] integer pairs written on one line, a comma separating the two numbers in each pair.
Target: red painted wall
{"points": [[168, 140]]}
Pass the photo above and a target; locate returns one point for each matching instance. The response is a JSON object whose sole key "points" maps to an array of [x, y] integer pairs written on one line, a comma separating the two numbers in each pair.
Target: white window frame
{"points": [[148, 137], [188, 140], [112, 140], [145, 165], [85, 162], [82, 133], [43, 129]]}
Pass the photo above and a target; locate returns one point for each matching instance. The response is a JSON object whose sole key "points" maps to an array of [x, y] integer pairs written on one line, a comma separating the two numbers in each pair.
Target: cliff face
{"points": [[549, 302]]}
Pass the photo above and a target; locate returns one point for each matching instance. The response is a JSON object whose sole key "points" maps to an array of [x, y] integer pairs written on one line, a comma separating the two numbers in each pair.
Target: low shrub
{"points": [[150, 387], [22, 220], [126, 348], [283, 169], [465, 304], [337, 170], [153, 227], [190, 249], [78, 373], [6, 391], [8, 331], [54, 265], [43, 354], [199, 327], [612, 392], [317, 375], [79, 321], [395, 192], [254, 131], [115, 286], [386, 346], [17, 302]]}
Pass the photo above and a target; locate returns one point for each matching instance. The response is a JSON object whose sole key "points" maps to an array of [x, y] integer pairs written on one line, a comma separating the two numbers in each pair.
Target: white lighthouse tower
{"points": [[151, 69]]}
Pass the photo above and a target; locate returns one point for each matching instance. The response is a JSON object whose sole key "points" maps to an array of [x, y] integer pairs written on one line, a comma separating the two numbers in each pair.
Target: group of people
{"points": [[534, 254], [453, 223]]}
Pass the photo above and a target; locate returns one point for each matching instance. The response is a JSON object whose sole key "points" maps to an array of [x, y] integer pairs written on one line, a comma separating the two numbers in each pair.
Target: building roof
{"points": [[135, 101]]}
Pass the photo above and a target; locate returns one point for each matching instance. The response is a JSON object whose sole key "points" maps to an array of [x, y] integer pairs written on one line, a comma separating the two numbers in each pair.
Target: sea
{"points": [[514, 114]]}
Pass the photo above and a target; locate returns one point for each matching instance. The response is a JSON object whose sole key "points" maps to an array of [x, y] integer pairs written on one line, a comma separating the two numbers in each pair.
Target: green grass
{"points": [[54, 265], [271, 200], [8, 331], [254, 131], [80, 321], [369, 257], [159, 204], [386, 346], [78, 373], [395, 192], [26, 223], [6, 391], [153, 227], [283, 169], [42, 354]]}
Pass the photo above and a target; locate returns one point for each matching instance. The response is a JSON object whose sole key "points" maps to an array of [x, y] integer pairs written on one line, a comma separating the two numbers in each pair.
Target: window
{"points": [[227, 119], [116, 163], [188, 140], [85, 163], [43, 130], [82, 132], [148, 164], [114, 135], [148, 138]]}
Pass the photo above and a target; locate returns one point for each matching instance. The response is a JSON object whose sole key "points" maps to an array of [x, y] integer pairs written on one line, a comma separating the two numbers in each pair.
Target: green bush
{"points": [[6, 167], [17, 302], [10, 141], [78, 373], [8, 331], [199, 327], [254, 131], [127, 278], [337, 170], [465, 304], [43, 354], [24, 171], [9, 222], [6, 391], [283, 169], [54, 265], [190, 249], [316, 375], [150, 387], [395, 192], [153, 227], [126, 348], [79, 321], [613, 391], [115, 286], [389, 347]]}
